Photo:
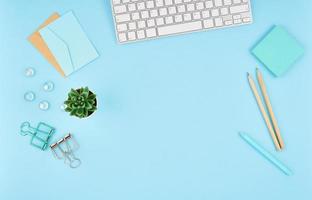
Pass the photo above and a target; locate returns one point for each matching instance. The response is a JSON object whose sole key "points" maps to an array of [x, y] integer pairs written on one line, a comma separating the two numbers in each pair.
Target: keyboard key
{"points": [[227, 17], [230, 22], [178, 18], [115, 2], [163, 11], [141, 6], [160, 21], [208, 4], [196, 15], [236, 1], [141, 34], [246, 14], [144, 14], [122, 27], [205, 14], [122, 18], [131, 36], [208, 23], [153, 13], [159, 3], [247, 19], [131, 7], [172, 10], [150, 22], [237, 21], [236, 16], [187, 17], [135, 16], [218, 3], [168, 2], [224, 11], [181, 8], [122, 37], [218, 21], [190, 7], [141, 24], [199, 5], [169, 20], [151, 32], [180, 28], [120, 9], [215, 12], [239, 9], [150, 4], [227, 2], [132, 26]]}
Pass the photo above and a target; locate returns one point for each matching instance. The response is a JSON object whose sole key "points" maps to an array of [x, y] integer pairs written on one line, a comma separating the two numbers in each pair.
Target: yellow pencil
{"points": [[270, 109], [263, 112]]}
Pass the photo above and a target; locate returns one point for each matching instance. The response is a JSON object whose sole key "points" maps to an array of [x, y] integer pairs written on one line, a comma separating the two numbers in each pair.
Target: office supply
{"points": [[62, 41], [141, 19], [29, 96], [44, 105], [278, 50], [37, 41], [40, 135], [48, 86], [64, 149], [269, 108], [68, 43], [266, 154], [30, 72], [273, 129]]}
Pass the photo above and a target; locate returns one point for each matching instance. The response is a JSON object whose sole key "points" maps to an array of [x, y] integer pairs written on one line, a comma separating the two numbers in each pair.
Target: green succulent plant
{"points": [[81, 102]]}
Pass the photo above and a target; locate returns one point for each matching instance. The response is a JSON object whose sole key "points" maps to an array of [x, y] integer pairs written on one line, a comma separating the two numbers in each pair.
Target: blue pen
{"points": [[265, 153]]}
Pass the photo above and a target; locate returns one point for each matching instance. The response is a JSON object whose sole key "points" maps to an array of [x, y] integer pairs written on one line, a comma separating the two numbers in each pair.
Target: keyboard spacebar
{"points": [[180, 28]]}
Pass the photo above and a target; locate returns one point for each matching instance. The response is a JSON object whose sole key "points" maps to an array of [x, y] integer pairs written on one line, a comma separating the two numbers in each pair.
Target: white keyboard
{"points": [[148, 19]]}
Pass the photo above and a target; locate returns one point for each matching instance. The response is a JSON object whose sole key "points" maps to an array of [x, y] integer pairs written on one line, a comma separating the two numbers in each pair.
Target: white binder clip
{"points": [[64, 149]]}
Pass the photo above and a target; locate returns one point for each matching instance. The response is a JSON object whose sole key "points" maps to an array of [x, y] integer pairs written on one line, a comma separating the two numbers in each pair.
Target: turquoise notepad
{"points": [[68, 43], [278, 50]]}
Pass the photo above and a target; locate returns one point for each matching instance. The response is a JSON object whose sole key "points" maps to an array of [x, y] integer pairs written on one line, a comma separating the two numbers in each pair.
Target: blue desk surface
{"points": [[169, 111]]}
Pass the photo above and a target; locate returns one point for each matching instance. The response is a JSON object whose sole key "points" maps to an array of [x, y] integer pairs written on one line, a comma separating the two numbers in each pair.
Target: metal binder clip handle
{"points": [[53, 146], [66, 151], [26, 129], [74, 162], [70, 158]]}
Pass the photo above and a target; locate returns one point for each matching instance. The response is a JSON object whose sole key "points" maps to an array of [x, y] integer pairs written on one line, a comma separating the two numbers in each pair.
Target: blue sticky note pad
{"points": [[278, 50], [68, 43]]}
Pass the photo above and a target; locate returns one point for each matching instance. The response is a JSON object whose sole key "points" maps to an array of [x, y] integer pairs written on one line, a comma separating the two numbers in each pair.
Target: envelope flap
{"points": [[59, 48]]}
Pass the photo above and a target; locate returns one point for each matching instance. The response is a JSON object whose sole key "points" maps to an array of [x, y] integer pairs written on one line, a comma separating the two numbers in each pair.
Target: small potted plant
{"points": [[81, 102]]}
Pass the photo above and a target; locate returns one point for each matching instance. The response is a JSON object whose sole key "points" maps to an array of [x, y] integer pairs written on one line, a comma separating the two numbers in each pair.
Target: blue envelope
{"points": [[68, 43]]}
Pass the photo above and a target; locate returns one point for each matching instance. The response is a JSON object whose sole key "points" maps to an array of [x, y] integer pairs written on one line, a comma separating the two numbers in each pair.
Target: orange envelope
{"points": [[36, 40]]}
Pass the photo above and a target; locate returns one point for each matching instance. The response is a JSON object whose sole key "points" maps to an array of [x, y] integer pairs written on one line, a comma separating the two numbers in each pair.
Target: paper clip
{"points": [[40, 135], [66, 147]]}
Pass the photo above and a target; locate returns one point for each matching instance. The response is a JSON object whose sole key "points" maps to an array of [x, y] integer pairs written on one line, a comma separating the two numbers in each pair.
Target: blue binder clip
{"points": [[40, 136]]}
